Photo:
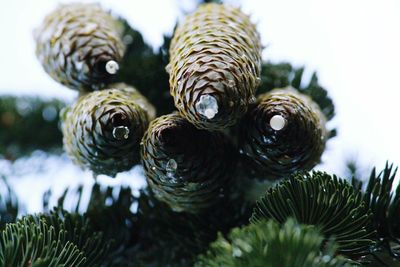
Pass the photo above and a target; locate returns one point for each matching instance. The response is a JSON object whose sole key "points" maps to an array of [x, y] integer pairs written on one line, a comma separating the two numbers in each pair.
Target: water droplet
{"points": [[79, 65], [153, 168], [24, 107], [112, 67], [277, 122], [49, 113], [231, 83], [326, 259], [120, 132], [127, 39], [207, 106], [171, 168], [237, 252]]}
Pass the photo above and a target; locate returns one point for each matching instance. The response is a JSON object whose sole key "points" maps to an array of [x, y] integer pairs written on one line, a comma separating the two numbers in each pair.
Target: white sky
{"points": [[353, 44]]}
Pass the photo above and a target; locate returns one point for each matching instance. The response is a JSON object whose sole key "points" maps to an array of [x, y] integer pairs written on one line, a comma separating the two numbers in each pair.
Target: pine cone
{"points": [[282, 133], [79, 45], [215, 62], [102, 131], [186, 167]]}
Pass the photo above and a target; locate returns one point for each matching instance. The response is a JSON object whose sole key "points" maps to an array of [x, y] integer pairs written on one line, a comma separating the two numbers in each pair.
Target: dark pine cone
{"points": [[79, 45], [186, 167], [215, 66], [102, 131], [282, 133]]}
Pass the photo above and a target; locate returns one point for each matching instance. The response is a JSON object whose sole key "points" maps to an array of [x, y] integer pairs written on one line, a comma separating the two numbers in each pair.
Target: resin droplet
{"points": [[277, 122], [171, 167], [207, 106], [112, 67], [121, 132]]}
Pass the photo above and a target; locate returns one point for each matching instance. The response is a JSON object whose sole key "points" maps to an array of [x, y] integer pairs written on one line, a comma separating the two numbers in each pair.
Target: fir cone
{"points": [[79, 45], [215, 61], [186, 167], [282, 133], [102, 131]]}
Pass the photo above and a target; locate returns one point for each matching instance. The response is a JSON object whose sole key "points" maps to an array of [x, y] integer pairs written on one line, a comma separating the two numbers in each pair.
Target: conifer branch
{"points": [[382, 197], [268, 244], [52, 240], [325, 201], [9, 205]]}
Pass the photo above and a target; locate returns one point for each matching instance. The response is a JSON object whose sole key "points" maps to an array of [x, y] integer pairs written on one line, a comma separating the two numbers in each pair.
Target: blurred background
{"points": [[352, 44]]}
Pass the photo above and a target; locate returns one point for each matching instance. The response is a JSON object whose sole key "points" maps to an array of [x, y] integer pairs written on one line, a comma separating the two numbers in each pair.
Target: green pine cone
{"points": [[282, 133], [186, 167], [102, 131], [79, 45], [215, 62]]}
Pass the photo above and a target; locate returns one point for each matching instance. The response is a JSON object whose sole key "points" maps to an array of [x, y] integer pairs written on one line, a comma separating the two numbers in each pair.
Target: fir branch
{"points": [[54, 239], [78, 230], [383, 199], [268, 244], [108, 213], [30, 243], [184, 234], [19, 115], [325, 201], [153, 234], [9, 205], [275, 75]]}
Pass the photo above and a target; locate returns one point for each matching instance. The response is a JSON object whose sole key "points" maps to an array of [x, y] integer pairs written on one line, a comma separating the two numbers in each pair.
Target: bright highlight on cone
{"points": [[277, 122]]}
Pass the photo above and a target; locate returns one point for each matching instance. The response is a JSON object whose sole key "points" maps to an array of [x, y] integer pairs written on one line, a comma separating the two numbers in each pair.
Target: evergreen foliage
{"points": [[9, 206], [139, 236], [56, 239], [382, 197], [325, 201], [19, 115], [268, 244], [108, 211], [309, 219]]}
